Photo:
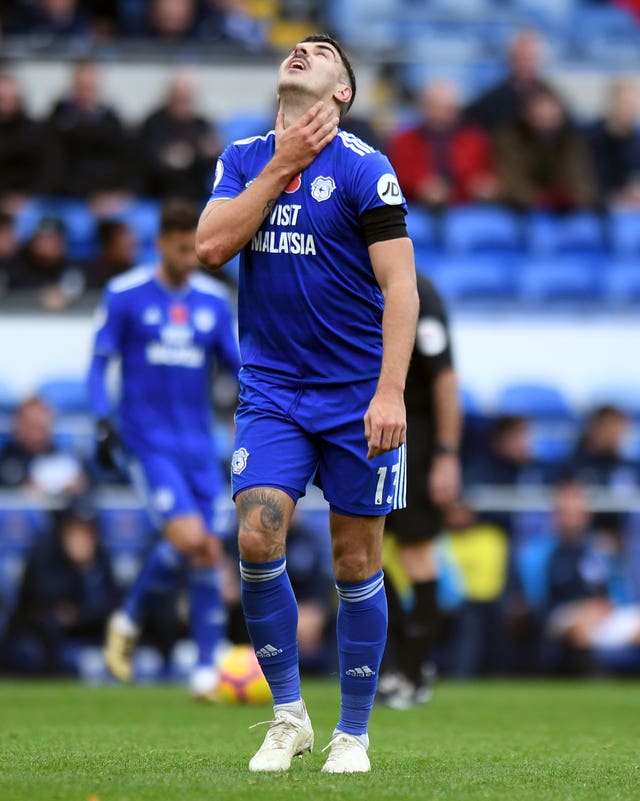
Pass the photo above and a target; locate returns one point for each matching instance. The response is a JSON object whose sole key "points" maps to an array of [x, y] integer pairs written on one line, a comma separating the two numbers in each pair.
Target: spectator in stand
{"points": [[42, 265], [178, 146], [8, 249], [599, 460], [49, 20], [477, 553], [504, 102], [599, 457], [543, 160], [615, 142], [508, 459], [25, 150], [574, 574], [228, 21], [443, 160], [96, 157], [30, 460], [172, 20], [67, 594], [117, 248]]}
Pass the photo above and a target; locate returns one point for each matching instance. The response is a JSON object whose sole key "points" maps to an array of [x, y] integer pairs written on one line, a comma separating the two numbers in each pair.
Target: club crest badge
{"points": [[239, 461], [322, 188]]}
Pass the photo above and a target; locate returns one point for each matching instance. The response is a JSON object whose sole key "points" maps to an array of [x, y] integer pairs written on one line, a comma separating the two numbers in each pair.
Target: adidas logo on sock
{"points": [[363, 672], [268, 651]]}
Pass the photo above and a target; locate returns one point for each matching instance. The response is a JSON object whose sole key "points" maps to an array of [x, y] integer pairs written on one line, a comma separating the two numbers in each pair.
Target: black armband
{"points": [[383, 223]]}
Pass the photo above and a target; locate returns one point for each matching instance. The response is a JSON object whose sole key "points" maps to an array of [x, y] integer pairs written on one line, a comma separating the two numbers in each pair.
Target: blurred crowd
{"points": [[517, 145], [520, 591], [80, 26]]}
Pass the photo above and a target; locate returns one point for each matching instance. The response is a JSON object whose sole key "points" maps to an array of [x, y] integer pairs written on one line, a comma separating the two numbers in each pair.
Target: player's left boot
{"points": [[119, 646], [289, 735], [347, 754]]}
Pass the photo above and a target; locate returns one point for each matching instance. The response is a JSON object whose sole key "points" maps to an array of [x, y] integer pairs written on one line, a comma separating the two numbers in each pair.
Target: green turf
{"points": [[522, 742]]}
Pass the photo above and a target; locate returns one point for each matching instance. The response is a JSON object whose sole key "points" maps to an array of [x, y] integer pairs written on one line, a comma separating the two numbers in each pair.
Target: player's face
{"points": [[313, 68], [178, 253]]}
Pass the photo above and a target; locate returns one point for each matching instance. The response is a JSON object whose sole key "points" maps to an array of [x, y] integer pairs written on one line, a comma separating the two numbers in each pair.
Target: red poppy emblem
{"points": [[178, 314], [294, 184]]}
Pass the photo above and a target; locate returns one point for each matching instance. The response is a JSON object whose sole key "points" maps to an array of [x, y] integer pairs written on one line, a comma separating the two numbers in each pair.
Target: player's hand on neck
{"points": [[303, 133]]}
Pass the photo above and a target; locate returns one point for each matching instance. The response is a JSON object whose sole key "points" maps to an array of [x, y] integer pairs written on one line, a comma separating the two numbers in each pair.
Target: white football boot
{"points": [[347, 754], [289, 735]]}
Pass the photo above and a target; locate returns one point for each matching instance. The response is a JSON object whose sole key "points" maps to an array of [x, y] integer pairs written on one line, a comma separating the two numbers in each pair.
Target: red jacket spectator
{"points": [[443, 160]]}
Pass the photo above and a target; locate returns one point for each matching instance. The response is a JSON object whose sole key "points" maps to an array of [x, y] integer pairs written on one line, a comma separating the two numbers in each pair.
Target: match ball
{"points": [[241, 678]]}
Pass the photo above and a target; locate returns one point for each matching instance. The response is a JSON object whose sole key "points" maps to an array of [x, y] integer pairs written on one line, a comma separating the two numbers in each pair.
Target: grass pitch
{"points": [[518, 741]]}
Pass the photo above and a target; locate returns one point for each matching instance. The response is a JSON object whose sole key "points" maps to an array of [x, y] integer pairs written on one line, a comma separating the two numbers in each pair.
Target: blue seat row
{"points": [[534, 280], [497, 230]]}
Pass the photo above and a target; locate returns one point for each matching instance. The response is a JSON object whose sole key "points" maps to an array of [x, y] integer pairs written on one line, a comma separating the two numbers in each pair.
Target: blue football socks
{"points": [[207, 612], [160, 574], [271, 614], [361, 633]]}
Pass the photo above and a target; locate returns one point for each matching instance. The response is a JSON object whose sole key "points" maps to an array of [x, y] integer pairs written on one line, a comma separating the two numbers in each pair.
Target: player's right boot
{"points": [[289, 735], [119, 646]]}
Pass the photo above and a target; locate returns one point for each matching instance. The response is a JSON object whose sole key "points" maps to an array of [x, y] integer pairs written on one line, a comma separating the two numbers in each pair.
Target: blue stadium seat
{"points": [[65, 395], [577, 233], [473, 278], [621, 281], [559, 278], [534, 399], [552, 442], [422, 229], [244, 124], [79, 222], [478, 229], [624, 232]]}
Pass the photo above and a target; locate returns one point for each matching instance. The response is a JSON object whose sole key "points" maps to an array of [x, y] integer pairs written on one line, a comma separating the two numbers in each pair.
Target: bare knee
{"points": [[189, 536], [356, 546], [351, 566], [263, 520]]}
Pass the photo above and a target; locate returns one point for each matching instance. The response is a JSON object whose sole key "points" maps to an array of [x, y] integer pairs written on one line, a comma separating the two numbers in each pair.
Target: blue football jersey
{"points": [[309, 306], [167, 342]]}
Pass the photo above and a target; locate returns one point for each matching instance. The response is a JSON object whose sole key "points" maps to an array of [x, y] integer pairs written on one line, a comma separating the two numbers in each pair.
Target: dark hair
{"points": [[507, 423], [606, 410], [324, 37], [178, 215], [107, 229]]}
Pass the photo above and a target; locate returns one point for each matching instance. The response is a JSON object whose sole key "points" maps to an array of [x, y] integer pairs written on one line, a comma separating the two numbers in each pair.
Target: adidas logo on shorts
{"points": [[268, 651], [363, 672]]}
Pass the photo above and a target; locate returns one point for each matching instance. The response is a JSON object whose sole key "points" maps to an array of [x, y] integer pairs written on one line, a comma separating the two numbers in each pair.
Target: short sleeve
{"points": [[374, 183], [228, 181]]}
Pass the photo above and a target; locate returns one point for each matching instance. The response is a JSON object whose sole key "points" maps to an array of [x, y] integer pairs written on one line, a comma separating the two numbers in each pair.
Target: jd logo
{"points": [[389, 190]]}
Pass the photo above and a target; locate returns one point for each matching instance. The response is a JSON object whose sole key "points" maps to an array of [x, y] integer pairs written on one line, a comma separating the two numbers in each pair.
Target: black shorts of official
{"points": [[421, 520]]}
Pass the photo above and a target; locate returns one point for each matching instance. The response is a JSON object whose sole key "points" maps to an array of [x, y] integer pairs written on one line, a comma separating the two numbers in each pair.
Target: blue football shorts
{"points": [[172, 487], [286, 437]]}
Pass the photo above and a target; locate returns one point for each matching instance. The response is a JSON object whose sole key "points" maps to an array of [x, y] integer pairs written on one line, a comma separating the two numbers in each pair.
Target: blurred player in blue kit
{"points": [[168, 325], [327, 320]]}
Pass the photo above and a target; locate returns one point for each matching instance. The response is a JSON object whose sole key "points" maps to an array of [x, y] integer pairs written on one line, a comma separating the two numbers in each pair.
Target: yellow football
{"points": [[241, 678]]}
